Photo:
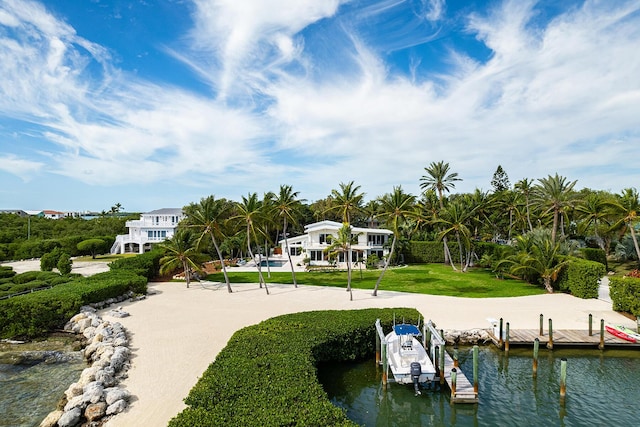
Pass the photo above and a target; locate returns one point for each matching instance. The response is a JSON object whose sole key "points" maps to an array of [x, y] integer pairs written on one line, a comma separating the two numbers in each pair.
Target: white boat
{"points": [[407, 358]]}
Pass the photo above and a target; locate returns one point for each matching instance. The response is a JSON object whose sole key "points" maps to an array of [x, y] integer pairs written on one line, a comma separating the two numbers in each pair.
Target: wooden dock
{"points": [[564, 338], [464, 388]]}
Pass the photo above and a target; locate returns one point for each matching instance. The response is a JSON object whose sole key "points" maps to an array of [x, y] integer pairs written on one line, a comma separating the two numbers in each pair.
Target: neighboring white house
{"points": [[317, 238], [152, 227]]}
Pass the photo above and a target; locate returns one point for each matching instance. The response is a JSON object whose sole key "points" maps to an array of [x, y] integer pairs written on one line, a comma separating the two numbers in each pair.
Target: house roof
{"points": [[166, 211], [333, 226]]}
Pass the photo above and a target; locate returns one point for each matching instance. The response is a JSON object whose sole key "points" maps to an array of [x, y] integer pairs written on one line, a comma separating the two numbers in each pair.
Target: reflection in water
{"points": [[509, 395]]}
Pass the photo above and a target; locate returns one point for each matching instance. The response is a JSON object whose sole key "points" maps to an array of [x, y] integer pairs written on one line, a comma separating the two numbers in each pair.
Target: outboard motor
{"points": [[416, 371]]}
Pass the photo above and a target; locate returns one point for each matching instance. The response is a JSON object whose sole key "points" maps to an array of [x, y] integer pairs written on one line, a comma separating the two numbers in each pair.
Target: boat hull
{"points": [[401, 353]]}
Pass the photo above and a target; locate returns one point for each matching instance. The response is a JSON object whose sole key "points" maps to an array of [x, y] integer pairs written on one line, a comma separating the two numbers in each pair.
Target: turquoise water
{"points": [[29, 391], [603, 389], [273, 263]]}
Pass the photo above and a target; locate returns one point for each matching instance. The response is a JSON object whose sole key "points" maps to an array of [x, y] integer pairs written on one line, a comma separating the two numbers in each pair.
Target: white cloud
{"points": [[23, 168]]}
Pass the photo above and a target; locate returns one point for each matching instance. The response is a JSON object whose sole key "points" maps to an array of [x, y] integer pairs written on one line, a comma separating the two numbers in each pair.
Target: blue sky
{"points": [[159, 103]]}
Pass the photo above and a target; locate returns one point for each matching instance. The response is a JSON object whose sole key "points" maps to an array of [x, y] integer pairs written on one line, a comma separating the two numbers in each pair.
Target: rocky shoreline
{"points": [[96, 396]]}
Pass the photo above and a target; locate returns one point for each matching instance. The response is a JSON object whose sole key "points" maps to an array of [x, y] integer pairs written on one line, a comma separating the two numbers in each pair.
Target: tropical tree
{"points": [[180, 251], [208, 218], [249, 211], [370, 212], [500, 180], [395, 208], [287, 205], [454, 221], [525, 187], [341, 244], [593, 213], [537, 255], [347, 201], [626, 208], [442, 181], [555, 194]]}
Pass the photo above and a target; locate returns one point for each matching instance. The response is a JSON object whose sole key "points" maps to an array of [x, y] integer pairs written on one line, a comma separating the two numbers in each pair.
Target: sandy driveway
{"points": [[177, 332]]}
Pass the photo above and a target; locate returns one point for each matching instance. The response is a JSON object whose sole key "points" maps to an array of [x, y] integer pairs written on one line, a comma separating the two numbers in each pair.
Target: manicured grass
{"points": [[104, 258], [433, 279]]}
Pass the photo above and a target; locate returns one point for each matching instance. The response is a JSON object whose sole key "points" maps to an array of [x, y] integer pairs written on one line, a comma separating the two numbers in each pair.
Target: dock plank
{"points": [[564, 337], [464, 388]]}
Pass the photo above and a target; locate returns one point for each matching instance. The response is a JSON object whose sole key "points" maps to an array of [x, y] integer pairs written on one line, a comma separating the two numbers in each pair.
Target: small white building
{"points": [[152, 227], [317, 238]]}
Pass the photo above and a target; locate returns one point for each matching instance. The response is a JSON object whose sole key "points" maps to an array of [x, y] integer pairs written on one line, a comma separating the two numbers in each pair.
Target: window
{"points": [[325, 238], [376, 239], [316, 255]]}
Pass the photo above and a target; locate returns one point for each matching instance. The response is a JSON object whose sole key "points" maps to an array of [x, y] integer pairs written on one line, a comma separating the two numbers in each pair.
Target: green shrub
{"points": [[625, 294], [595, 254], [147, 264], [25, 277], [6, 272], [64, 264], [581, 278], [49, 260], [266, 375], [37, 313]]}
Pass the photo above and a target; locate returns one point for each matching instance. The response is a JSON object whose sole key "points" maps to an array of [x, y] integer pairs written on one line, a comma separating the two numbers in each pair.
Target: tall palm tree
{"points": [[180, 252], [287, 206], [250, 212], [455, 221], [267, 225], [442, 181], [395, 208], [554, 193], [208, 217], [627, 209], [347, 200], [370, 211], [341, 244], [593, 212], [525, 187]]}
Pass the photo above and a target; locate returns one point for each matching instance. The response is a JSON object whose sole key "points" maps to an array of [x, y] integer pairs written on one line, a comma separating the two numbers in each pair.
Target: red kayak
{"points": [[620, 333]]}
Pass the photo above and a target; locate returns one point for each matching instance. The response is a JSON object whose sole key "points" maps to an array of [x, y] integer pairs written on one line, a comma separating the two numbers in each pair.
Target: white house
{"points": [[317, 238], [152, 227]]}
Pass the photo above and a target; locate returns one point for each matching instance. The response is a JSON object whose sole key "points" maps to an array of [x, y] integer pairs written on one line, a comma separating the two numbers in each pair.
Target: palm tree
{"points": [[395, 207], [538, 254], [287, 206], [525, 187], [454, 221], [593, 212], [626, 208], [341, 244], [180, 251], [347, 200], [249, 212], [440, 180], [370, 211], [208, 217], [555, 193]]}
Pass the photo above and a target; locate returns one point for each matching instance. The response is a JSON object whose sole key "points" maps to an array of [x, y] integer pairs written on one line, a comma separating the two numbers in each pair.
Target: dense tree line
{"points": [[538, 222], [32, 237]]}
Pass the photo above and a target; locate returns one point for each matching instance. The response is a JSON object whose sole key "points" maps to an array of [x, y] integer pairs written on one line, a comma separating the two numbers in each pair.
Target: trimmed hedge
{"points": [[625, 294], [581, 278], [35, 314], [266, 375], [433, 252], [595, 254], [146, 264]]}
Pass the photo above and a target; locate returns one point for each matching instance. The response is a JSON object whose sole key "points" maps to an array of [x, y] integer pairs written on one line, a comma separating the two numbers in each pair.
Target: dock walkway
{"points": [[563, 338], [464, 388]]}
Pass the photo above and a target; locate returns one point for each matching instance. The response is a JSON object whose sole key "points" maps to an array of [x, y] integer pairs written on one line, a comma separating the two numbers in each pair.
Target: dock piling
{"points": [[601, 345], [475, 369], [441, 357], [536, 346], [454, 379], [506, 340], [550, 342], [590, 324], [563, 379], [500, 341], [385, 364], [541, 325], [455, 356], [378, 349]]}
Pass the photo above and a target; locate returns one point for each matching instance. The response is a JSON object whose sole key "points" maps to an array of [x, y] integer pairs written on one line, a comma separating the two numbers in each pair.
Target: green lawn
{"points": [[433, 279]]}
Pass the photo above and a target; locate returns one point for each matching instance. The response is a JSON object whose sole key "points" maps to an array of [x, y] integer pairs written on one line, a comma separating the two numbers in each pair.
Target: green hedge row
{"points": [[34, 314], [433, 252], [36, 248], [595, 254], [266, 375], [581, 278], [146, 264], [625, 294]]}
